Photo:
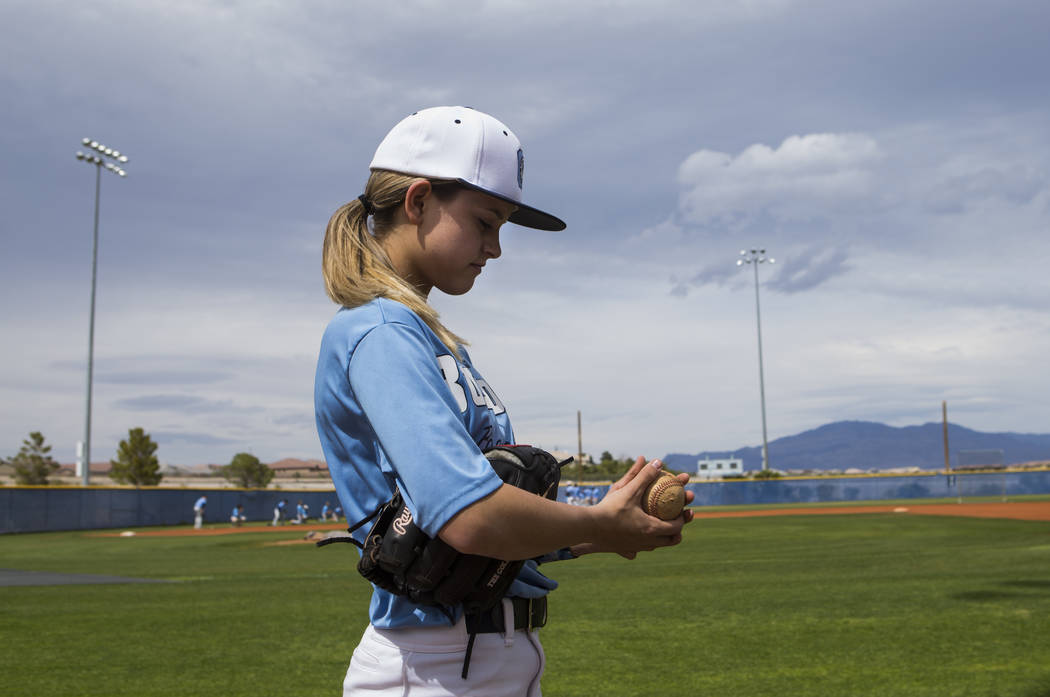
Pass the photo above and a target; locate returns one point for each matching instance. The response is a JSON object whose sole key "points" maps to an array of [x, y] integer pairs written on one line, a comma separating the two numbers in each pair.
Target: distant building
{"points": [[562, 455], [291, 466], [979, 459], [73, 470], [714, 468]]}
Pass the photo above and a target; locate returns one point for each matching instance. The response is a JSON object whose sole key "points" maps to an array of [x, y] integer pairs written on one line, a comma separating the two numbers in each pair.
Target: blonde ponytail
{"points": [[355, 266]]}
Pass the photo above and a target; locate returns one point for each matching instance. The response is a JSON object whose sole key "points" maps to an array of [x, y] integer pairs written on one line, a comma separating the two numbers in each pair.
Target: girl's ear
{"points": [[415, 198]]}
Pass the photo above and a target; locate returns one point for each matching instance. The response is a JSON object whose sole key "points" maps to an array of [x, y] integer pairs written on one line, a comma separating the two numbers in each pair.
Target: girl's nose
{"points": [[492, 248]]}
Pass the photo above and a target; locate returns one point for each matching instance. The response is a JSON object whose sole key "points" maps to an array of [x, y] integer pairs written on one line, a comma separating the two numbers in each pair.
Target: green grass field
{"points": [[803, 605]]}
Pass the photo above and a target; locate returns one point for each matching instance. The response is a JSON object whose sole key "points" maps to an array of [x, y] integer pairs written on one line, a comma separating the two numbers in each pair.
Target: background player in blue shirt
{"points": [[198, 512], [400, 403], [279, 512]]}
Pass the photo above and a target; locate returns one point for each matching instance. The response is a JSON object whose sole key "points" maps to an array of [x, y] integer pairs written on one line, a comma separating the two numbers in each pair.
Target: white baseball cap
{"points": [[467, 146]]}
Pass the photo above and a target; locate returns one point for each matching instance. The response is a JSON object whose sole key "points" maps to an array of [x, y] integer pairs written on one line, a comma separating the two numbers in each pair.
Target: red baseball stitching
{"points": [[658, 488]]}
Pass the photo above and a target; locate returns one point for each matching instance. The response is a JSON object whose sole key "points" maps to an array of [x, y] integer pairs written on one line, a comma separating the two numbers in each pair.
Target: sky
{"points": [[892, 157]]}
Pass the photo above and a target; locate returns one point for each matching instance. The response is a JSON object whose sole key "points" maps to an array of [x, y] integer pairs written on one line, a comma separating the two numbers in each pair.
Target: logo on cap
{"points": [[521, 166]]}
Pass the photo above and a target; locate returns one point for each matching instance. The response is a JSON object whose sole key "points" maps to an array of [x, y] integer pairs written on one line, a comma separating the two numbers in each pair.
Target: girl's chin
{"points": [[457, 288]]}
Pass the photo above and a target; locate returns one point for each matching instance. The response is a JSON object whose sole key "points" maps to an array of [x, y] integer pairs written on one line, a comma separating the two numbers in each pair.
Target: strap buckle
{"points": [[536, 609]]}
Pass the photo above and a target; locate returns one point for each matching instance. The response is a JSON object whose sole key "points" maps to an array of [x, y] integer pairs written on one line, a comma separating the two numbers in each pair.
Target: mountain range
{"points": [[867, 445]]}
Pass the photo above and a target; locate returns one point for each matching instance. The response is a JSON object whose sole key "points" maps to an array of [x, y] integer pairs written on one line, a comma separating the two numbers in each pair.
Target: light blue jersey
{"points": [[395, 408]]}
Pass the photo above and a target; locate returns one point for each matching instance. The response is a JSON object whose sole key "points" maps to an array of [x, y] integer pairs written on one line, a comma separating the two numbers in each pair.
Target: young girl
{"points": [[399, 404]]}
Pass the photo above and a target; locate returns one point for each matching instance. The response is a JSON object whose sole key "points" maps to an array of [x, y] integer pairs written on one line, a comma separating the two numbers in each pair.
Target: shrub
{"points": [[247, 472], [33, 465], [136, 462]]}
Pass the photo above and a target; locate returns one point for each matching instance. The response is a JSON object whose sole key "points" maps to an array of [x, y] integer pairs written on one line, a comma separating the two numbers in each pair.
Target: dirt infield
{"points": [[1039, 510], [220, 529]]}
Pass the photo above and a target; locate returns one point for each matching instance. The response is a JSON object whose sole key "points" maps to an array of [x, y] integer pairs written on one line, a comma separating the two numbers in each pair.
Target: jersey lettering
{"points": [[480, 393], [479, 397], [497, 406], [450, 371], [486, 441]]}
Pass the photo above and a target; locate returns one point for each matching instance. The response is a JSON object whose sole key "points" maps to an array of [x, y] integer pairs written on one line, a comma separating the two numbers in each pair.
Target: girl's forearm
{"points": [[513, 524]]}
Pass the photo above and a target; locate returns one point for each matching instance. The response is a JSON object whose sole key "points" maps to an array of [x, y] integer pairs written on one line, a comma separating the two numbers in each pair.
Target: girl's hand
{"points": [[625, 528], [631, 473], [638, 464]]}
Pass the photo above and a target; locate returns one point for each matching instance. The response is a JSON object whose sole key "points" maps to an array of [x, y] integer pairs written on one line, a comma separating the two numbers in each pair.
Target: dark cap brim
{"points": [[526, 216]]}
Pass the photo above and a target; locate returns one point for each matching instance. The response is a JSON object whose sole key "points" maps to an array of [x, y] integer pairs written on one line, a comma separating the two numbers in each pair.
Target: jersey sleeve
{"points": [[418, 424]]}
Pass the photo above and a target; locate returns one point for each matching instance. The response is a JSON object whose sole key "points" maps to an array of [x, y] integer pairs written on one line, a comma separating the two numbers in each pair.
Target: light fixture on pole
{"points": [[112, 160], [756, 257]]}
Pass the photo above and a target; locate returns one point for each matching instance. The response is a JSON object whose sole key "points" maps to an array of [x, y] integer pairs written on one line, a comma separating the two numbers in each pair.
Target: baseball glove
{"points": [[399, 557]]}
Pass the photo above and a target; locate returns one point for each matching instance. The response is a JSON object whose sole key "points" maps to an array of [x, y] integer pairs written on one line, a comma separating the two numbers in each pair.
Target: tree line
{"points": [[607, 468], [135, 463]]}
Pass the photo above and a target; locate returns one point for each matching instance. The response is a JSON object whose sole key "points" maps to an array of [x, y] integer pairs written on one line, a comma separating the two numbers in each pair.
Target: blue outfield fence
{"points": [[823, 489], [879, 488], [40, 509]]}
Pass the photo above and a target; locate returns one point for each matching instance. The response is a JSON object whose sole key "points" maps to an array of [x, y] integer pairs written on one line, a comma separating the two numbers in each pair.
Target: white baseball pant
{"points": [[428, 662]]}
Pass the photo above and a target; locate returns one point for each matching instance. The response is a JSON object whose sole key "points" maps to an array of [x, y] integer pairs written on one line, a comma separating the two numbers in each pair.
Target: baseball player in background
{"points": [[278, 512], [198, 512], [399, 403]]}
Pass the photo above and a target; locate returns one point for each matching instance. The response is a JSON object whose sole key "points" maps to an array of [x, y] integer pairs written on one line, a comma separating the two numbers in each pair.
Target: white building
{"points": [[719, 467]]}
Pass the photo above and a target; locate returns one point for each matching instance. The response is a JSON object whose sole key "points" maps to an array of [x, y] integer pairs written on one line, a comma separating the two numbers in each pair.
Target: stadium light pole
{"points": [[111, 160], [756, 257]]}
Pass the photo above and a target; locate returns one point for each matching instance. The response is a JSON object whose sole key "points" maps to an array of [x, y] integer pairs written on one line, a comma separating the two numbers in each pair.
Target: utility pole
{"points": [[944, 421], [579, 441]]}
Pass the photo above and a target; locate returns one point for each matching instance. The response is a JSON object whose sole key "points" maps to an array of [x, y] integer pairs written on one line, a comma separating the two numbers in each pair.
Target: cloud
{"points": [[304, 418], [808, 270], [190, 438], [718, 274], [802, 271], [956, 189], [805, 177], [916, 211], [162, 377], [186, 404]]}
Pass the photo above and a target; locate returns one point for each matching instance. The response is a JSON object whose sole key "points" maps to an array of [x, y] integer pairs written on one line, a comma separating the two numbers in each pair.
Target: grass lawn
{"points": [[804, 605]]}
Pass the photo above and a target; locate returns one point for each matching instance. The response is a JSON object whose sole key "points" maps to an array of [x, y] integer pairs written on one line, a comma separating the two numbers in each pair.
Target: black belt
{"points": [[529, 614]]}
